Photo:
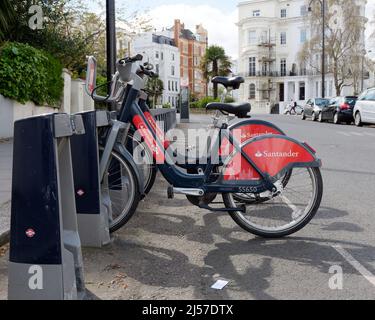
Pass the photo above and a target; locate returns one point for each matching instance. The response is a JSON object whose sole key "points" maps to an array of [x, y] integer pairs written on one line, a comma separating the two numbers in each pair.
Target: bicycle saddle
{"points": [[240, 110], [233, 82]]}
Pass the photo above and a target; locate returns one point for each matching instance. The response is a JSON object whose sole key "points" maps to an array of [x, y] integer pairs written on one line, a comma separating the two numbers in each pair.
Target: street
{"points": [[172, 250]]}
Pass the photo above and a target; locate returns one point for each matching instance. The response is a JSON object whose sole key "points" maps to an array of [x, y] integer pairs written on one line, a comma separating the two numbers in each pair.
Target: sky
{"points": [[218, 16]]}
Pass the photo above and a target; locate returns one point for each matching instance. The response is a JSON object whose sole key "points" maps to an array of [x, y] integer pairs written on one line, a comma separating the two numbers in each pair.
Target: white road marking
{"points": [[369, 134], [356, 265], [356, 134], [344, 134]]}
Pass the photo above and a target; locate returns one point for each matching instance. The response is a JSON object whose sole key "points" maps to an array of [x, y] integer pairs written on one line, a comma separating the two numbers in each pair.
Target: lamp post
{"points": [[323, 11], [111, 42], [111, 38]]}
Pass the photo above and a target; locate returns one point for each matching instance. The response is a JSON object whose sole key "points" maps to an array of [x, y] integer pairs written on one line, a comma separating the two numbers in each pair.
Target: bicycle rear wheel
{"points": [[285, 213]]}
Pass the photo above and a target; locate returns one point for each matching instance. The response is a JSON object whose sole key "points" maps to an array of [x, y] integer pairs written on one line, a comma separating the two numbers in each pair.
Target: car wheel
{"points": [[358, 119], [336, 119], [320, 117], [313, 118], [303, 117]]}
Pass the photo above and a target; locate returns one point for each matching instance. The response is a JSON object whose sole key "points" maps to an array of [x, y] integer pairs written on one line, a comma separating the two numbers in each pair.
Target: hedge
{"points": [[201, 104], [29, 74]]}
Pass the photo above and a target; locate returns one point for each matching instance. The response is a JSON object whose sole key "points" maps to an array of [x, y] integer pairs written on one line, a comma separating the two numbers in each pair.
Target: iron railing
{"points": [[167, 118]]}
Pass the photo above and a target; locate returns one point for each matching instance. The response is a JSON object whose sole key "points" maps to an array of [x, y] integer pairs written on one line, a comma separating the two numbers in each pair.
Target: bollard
{"points": [[93, 218], [45, 259]]}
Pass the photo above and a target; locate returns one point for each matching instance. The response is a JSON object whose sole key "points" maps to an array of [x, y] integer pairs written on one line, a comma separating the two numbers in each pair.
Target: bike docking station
{"points": [[45, 260], [93, 205]]}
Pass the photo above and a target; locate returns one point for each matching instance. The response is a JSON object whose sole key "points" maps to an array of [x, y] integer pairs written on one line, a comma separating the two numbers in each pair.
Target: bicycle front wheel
{"points": [[288, 211], [120, 191]]}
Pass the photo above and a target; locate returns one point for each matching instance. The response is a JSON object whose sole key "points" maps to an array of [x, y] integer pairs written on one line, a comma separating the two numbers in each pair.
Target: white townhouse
{"points": [[271, 35], [162, 52]]}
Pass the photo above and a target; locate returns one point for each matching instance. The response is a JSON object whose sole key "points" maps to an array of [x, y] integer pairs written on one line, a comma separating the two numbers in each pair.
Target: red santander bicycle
{"points": [[271, 184]]}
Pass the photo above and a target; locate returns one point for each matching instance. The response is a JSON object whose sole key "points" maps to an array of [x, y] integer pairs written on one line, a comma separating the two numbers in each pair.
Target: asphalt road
{"points": [[172, 250]]}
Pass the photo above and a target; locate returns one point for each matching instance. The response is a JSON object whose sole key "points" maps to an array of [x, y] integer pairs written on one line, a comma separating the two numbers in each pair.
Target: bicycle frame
{"points": [[132, 113]]}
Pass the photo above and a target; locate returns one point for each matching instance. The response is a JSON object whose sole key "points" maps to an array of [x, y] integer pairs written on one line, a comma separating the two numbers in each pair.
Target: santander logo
{"points": [[267, 154], [255, 135]]}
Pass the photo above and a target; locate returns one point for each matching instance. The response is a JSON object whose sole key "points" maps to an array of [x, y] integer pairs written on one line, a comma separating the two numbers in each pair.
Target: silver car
{"points": [[364, 110]]}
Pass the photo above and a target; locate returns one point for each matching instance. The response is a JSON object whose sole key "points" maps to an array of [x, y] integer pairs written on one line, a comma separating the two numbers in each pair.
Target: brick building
{"points": [[192, 47]]}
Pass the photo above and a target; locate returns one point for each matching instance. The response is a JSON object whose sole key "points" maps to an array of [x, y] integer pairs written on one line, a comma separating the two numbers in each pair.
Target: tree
{"points": [[6, 16], [215, 63], [155, 88], [344, 48], [70, 31]]}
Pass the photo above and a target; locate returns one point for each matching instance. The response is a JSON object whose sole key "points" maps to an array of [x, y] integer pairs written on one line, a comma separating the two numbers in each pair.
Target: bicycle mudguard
{"points": [[129, 158], [273, 155], [246, 130]]}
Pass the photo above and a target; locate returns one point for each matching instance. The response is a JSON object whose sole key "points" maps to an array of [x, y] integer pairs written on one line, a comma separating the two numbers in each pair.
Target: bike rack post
{"points": [[93, 214], [185, 105], [45, 248]]}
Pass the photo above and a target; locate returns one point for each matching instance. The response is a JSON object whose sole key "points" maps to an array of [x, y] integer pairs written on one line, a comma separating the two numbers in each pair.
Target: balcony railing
{"points": [[276, 74], [267, 42]]}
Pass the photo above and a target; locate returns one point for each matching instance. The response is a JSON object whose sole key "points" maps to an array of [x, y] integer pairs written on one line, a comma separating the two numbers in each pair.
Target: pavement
{"points": [[6, 151], [172, 250]]}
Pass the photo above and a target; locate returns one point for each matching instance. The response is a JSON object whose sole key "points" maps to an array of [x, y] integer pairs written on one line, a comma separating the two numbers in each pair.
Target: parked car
{"points": [[364, 110], [313, 109], [339, 110]]}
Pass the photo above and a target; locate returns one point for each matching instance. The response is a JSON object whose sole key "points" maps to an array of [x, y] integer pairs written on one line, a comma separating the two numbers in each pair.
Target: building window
{"points": [[252, 66], [173, 57], [162, 56], [196, 61], [330, 93], [252, 37], [256, 13], [172, 70], [283, 67], [303, 36], [317, 89], [169, 86], [283, 13], [283, 38], [252, 91], [157, 69], [304, 11], [157, 54]]}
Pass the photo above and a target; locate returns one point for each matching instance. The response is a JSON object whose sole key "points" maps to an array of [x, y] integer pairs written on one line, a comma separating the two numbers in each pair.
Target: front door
{"points": [[281, 92]]}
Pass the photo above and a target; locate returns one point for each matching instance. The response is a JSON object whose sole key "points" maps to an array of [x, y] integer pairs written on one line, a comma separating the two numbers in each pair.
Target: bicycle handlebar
{"points": [[146, 72], [136, 58]]}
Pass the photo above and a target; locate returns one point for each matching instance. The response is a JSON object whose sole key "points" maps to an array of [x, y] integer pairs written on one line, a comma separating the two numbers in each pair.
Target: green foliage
{"points": [[167, 106], [215, 63], [6, 17], [70, 31], [202, 103], [102, 84], [154, 88], [29, 74]]}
